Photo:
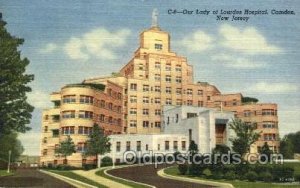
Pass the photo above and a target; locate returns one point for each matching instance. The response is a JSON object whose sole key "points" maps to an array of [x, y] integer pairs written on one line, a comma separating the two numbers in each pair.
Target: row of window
{"points": [[264, 112], [133, 123], [139, 146], [270, 137], [67, 130], [168, 67]]}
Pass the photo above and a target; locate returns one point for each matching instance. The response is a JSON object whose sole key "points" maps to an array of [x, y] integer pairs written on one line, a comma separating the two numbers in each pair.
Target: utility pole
{"points": [[8, 166]]}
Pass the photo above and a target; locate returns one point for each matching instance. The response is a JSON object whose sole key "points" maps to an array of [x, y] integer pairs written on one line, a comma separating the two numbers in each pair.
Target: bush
{"points": [[217, 175], [265, 176], [282, 173], [65, 167], [297, 177], [176, 154], [230, 175], [89, 166], [262, 168], [251, 176], [207, 172], [183, 168], [106, 161]]}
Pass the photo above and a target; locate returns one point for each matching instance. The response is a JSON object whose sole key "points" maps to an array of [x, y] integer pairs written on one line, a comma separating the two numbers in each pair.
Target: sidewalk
{"points": [[104, 181]]}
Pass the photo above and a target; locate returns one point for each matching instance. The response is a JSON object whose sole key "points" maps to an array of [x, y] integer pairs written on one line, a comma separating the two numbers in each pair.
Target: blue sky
{"points": [[68, 41]]}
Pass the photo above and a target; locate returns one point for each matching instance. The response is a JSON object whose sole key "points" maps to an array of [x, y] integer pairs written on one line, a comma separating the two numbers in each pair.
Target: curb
{"points": [[71, 181], [128, 166], [162, 173]]}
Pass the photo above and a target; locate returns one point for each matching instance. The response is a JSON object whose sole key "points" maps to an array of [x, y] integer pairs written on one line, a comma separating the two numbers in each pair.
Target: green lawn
{"points": [[131, 184], [237, 183], [74, 176], [4, 173]]}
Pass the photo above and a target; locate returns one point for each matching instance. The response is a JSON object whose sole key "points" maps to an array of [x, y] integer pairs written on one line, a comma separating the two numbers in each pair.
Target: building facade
{"points": [[133, 99]]}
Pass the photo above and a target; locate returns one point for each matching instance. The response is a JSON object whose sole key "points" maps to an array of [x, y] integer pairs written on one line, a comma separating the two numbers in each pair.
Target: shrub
{"points": [[207, 172], [106, 161], [65, 167], [89, 166], [49, 165], [297, 177], [265, 176], [217, 175], [183, 168], [230, 175], [176, 154], [282, 173], [251, 176], [262, 168]]}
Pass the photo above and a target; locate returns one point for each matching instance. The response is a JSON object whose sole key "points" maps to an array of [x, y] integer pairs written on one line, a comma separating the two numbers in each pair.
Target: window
{"points": [[167, 145], [133, 99], [158, 46], [101, 117], [86, 114], [133, 87], [177, 118], [157, 77], [110, 106], [157, 100], [268, 112], [84, 130], [178, 102], [145, 123], [247, 113], [157, 124], [269, 124], [178, 79], [268, 137], [81, 147], [175, 145], [145, 111], [45, 140], [145, 99], [168, 78], [145, 88], [138, 145], [132, 111], [86, 99], [132, 123], [200, 103], [200, 92], [157, 112], [183, 145], [189, 102], [127, 145], [141, 66], [234, 103], [46, 129], [69, 99], [44, 151], [147, 147], [68, 114], [158, 147], [168, 90], [168, 67], [208, 98], [102, 103], [178, 68], [110, 120], [168, 101], [118, 146], [67, 130], [157, 65], [189, 92], [55, 133], [178, 91], [157, 88]]}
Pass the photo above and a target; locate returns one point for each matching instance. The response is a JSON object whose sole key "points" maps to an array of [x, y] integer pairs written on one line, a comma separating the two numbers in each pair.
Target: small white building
{"points": [[181, 124]]}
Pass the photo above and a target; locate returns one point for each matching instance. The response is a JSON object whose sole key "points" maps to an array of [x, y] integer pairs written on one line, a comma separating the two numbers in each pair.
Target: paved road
{"points": [[32, 178], [148, 174]]}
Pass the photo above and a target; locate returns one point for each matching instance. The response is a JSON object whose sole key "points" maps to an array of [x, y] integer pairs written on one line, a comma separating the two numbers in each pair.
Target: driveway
{"points": [[32, 178]]}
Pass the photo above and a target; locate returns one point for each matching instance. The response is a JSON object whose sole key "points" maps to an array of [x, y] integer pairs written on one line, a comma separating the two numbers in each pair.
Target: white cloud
{"points": [[49, 48], [237, 62], [249, 40], [31, 142], [197, 42], [98, 43], [39, 99], [275, 88]]}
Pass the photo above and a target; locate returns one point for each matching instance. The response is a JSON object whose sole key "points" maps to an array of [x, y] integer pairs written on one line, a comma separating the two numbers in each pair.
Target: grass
{"points": [[124, 182], [4, 173], [74, 176], [237, 183]]}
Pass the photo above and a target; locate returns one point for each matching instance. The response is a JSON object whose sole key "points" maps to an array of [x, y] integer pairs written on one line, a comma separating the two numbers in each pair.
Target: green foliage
{"points": [[106, 161], [193, 147], [98, 143], [221, 149], [183, 168], [245, 136], [89, 166], [10, 142], [266, 152], [15, 111], [249, 100], [251, 176], [265, 176], [282, 173], [287, 148], [230, 175], [66, 147], [176, 155]]}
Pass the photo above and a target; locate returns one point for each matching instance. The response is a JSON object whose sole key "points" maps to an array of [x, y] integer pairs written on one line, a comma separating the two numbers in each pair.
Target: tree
{"points": [[287, 148], [245, 136], [193, 147], [221, 149], [15, 112], [66, 148], [266, 152], [98, 143], [295, 140], [10, 142]]}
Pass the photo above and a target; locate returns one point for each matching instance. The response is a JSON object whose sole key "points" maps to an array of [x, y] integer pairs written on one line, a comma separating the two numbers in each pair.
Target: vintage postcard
{"points": [[140, 93]]}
